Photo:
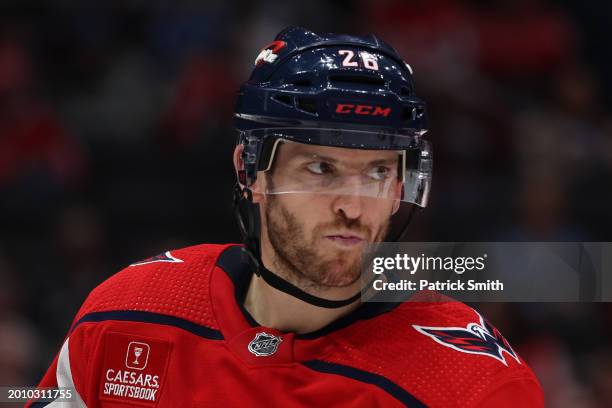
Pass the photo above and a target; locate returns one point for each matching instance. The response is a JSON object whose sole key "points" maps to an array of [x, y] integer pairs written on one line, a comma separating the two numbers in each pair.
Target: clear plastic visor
{"points": [[390, 173]]}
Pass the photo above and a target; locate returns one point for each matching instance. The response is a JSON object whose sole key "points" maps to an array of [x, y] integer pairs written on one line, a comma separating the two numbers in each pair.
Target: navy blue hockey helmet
{"points": [[306, 79], [334, 90], [330, 90]]}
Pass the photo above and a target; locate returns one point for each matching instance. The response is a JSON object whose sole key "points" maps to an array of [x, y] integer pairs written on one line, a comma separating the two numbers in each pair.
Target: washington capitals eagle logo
{"points": [[165, 257], [476, 338]]}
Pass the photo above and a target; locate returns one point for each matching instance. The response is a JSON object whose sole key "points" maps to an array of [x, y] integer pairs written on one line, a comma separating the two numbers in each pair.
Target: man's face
{"points": [[322, 206]]}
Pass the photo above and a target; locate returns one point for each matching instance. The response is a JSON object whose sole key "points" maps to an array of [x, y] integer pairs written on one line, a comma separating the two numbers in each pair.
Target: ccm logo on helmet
{"points": [[369, 110]]}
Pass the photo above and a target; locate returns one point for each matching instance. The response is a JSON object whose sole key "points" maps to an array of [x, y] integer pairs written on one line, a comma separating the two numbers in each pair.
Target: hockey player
{"points": [[330, 156]]}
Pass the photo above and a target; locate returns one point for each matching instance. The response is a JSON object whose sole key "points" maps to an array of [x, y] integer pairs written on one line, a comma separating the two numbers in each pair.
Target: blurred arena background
{"points": [[116, 139]]}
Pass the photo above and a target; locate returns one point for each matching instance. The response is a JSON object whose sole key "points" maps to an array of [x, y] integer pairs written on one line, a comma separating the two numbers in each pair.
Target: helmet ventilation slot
{"points": [[302, 82], [284, 99], [307, 105], [356, 79]]}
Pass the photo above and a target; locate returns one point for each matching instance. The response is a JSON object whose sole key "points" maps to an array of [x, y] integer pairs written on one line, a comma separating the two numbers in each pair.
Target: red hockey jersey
{"points": [[171, 331]]}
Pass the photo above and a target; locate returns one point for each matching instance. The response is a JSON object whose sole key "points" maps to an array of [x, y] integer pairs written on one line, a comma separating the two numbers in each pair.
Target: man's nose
{"points": [[350, 201]]}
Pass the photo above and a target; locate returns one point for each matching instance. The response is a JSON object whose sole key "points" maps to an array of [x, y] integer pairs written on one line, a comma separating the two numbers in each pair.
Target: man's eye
{"points": [[379, 173], [319, 168]]}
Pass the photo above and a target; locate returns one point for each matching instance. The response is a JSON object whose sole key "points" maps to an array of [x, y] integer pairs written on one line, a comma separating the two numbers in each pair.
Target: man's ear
{"points": [[239, 167], [238, 163]]}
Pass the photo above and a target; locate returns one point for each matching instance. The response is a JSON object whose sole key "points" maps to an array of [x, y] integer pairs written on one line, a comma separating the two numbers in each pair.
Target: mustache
{"points": [[354, 226]]}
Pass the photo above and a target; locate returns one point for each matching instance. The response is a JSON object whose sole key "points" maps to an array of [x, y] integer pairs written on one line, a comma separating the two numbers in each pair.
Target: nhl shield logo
{"points": [[264, 344]]}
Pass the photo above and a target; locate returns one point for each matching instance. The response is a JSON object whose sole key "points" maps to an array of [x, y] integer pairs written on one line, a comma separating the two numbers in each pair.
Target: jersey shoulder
{"points": [[460, 329], [445, 352], [173, 283]]}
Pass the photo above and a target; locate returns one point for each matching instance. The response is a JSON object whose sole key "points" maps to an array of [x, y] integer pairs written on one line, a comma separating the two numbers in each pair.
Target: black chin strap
{"points": [[279, 283], [247, 215]]}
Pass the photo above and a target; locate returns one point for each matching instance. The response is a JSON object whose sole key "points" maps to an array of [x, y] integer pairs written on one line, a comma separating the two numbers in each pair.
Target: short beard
{"points": [[298, 261]]}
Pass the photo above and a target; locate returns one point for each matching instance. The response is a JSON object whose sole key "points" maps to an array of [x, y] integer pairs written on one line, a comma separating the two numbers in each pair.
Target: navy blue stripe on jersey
{"points": [[368, 310], [40, 404], [379, 381], [232, 262], [148, 317]]}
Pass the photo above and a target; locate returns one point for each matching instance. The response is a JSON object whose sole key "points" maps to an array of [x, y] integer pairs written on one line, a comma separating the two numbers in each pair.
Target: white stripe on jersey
{"points": [[64, 379]]}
